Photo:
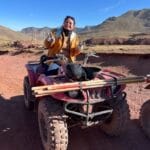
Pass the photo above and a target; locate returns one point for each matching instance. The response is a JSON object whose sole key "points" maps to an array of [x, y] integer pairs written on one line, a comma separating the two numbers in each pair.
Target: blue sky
{"points": [[18, 14]]}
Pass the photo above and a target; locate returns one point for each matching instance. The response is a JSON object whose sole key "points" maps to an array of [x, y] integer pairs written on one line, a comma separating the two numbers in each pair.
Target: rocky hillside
{"points": [[132, 22], [7, 34], [36, 33], [129, 23]]}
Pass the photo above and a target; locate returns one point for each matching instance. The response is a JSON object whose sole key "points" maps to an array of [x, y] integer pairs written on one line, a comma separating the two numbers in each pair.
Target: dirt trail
{"points": [[19, 128]]}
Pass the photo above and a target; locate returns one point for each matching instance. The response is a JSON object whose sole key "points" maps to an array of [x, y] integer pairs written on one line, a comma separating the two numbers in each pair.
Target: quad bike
{"points": [[75, 94], [145, 116]]}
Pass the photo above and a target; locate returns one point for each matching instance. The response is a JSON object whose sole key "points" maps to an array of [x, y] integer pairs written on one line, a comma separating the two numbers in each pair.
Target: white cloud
{"points": [[116, 5]]}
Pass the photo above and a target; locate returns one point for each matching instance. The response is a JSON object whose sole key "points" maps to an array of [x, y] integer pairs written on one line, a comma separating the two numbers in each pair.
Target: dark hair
{"points": [[70, 17]]}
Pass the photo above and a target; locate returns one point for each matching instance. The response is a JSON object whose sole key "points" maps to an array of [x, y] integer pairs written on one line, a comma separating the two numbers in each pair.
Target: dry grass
{"points": [[118, 49], [121, 49]]}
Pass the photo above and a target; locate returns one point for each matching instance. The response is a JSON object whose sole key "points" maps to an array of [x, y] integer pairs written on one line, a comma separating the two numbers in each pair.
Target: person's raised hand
{"points": [[50, 37]]}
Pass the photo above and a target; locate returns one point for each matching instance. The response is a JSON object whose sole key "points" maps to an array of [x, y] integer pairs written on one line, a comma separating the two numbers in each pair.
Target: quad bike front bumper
{"points": [[88, 115]]}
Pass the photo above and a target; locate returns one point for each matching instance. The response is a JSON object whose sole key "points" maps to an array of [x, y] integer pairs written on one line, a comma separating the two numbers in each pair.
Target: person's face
{"points": [[69, 24]]}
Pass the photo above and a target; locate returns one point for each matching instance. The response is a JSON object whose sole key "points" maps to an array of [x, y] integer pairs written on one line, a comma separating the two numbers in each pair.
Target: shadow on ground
{"points": [[19, 131], [18, 127], [94, 139]]}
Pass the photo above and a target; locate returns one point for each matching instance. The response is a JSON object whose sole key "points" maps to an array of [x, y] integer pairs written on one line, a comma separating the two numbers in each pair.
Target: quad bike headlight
{"points": [[73, 94]]}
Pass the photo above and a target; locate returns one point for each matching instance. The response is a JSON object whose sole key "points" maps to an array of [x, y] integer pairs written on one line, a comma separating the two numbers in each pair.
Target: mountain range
{"points": [[130, 23]]}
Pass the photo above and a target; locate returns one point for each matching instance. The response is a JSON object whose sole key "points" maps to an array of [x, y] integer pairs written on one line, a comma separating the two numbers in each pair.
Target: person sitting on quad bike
{"points": [[64, 40]]}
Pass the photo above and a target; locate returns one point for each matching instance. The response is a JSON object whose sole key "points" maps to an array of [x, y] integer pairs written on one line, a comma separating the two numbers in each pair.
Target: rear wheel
{"points": [[52, 125], [28, 97], [116, 124], [145, 118]]}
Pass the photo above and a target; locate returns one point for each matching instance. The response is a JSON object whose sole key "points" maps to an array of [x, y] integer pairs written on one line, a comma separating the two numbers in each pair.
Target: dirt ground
{"points": [[19, 128]]}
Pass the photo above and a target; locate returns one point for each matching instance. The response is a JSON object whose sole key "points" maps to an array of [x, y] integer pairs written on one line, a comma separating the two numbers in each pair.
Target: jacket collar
{"points": [[59, 33]]}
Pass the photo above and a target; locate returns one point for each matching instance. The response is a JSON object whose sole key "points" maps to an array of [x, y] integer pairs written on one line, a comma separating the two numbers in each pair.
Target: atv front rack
{"points": [[45, 90]]}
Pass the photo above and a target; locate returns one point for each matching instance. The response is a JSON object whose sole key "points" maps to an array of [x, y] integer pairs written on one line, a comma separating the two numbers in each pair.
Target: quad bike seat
{"points": [[91, 72], [79, 73]]}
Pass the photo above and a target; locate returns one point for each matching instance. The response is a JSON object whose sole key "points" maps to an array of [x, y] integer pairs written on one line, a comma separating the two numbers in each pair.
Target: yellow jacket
{"points": [[56, 46]]}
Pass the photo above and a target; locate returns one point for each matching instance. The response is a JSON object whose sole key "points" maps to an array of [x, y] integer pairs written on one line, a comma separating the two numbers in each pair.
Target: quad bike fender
{"points": [[44, 80], [108, 74], [31, 69], [32, 78]]}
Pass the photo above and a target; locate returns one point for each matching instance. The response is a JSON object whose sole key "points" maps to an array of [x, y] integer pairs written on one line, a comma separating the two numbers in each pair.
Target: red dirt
{"points": [[19, 128]]}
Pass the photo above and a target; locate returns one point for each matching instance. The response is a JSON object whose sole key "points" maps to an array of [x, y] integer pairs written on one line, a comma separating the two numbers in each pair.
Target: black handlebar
{"points": [[45, 58]]}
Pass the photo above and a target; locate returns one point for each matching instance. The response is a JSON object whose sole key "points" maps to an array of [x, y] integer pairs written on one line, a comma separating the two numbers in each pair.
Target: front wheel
{"points": [[116, 124], [52, 125], [28, 97], [145, 118]]}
